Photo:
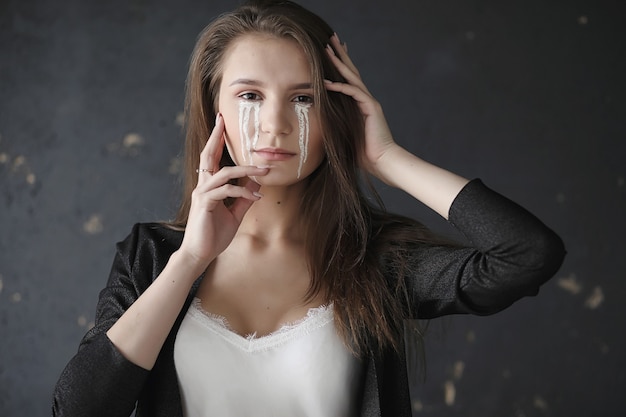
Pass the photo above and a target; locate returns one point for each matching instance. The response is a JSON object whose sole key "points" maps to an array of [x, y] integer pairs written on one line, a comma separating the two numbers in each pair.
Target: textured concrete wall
{"points": [[528, 95]]}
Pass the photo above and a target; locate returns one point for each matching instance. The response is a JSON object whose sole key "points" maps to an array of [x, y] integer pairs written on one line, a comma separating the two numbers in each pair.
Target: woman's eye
{"points": [[303, 99], [249, 96]]}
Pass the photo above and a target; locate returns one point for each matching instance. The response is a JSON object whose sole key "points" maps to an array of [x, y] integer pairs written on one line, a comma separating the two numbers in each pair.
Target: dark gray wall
{"points": [[528, 95]]}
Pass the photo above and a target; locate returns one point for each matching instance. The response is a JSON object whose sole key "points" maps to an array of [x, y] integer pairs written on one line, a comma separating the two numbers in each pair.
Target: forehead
{"points": [[267, 56]]}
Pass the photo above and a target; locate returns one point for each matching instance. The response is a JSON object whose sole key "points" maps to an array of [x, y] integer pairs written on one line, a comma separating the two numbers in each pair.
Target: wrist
{"points": [[386, 165], [187, 265]]}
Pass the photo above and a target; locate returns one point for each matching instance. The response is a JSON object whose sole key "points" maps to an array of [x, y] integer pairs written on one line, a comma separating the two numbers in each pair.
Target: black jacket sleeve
{"points": [[512, 254], [98, 380]]}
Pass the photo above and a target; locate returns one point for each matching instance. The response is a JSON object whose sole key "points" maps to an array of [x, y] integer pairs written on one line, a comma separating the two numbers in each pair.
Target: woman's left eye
{"points": [[303, 99]]}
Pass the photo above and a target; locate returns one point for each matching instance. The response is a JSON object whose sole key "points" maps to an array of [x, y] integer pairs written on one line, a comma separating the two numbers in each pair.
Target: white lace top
{"points": [[302, 369]]}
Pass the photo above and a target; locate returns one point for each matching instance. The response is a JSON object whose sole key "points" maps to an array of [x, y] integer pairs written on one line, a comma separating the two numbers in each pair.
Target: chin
{"points": [[280, 179]]}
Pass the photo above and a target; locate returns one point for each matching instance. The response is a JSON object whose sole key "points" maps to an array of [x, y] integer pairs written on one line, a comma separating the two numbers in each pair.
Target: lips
{"points": [[274, 154]]}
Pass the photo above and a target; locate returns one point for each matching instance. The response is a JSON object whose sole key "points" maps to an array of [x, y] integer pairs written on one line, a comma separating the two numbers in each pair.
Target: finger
{"points": [[356, 92], [212, 152], [241, 205], [215, 197], [351, 76], [227, 174], [341, 50]]}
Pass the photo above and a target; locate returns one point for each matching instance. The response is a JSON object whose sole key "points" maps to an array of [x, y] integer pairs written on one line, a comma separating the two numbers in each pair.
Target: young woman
{"points": [[279, 290]]}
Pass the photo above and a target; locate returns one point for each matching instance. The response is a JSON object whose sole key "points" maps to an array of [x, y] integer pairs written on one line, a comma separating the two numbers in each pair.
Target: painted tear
{"points": [[248, 142], [302, 110]]}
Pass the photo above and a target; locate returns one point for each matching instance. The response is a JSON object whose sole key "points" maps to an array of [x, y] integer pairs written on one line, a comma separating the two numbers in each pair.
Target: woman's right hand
{"points": [[212, 225]]}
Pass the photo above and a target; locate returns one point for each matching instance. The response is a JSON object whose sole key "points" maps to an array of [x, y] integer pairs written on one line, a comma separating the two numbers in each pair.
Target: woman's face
{"points": [[266, 99]]}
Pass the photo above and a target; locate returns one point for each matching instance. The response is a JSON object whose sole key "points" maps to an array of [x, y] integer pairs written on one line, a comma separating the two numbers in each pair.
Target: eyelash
{"points": [[307, 99], [302, 98], [245, 96]]}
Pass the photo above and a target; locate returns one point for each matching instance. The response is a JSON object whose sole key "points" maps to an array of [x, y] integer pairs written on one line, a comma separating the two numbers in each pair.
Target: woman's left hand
{"points": [[378, 138]]}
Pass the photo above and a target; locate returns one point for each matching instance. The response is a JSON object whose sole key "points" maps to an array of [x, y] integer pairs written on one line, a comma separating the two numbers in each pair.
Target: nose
{"points": [[276, 118]]}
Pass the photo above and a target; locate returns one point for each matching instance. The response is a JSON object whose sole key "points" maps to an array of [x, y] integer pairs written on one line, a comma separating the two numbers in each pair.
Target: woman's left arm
{"points": [[383, 157], [512, 252]]}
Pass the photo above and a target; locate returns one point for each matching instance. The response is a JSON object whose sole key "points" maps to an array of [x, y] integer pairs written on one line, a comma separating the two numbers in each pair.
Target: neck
{"points": [[276, 216]]}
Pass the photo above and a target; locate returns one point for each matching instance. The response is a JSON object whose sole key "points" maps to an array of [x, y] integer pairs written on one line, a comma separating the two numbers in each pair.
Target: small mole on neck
{"points": [[278, 202]]}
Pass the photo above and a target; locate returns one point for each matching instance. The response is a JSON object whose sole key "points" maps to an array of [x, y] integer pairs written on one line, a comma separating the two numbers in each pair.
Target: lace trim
{"points": [[315, 318]]}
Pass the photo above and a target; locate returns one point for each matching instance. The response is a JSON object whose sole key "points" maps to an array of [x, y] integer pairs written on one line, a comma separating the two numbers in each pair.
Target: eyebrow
{"points": [[247, 81]]}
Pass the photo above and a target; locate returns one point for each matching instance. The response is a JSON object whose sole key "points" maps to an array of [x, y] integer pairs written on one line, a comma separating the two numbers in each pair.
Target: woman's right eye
{"points": [[250, 96]]}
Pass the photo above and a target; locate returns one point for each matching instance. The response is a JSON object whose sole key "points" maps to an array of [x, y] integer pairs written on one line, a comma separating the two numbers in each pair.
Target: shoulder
{"points": [[158, 232], [156, 240]]}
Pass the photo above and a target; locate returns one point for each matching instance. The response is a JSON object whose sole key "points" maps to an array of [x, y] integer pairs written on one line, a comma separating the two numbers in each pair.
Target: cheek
{"points": [[316, 147], [316, 141], [241, 130]]}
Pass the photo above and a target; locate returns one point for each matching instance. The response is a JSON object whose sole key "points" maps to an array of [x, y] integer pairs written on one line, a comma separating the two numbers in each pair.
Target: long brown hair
{"points": [[346, 237]]}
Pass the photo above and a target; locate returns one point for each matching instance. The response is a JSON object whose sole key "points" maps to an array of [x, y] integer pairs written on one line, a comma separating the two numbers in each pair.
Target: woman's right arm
{"points": [[130, 330], [99, 380], [141, 331]]}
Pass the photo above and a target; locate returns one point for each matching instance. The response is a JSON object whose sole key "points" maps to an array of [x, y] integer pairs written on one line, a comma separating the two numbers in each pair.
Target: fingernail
{"points": [[257, 194], [217, 117], [327, 81], [264, 166], [330, 50]]}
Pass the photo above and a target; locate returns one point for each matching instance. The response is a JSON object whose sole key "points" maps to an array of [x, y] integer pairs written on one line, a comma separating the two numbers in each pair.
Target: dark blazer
{"points": [[512, 254]]}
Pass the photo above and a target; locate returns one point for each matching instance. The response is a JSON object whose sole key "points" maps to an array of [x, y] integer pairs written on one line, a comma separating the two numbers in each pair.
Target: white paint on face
{"points": [[248, 142], [302, 110]]}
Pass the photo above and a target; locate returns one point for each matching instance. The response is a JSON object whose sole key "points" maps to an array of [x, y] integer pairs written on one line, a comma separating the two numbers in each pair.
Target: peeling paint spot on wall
{"points": [[595, 299], [570, 284], [133, 140], [82, 321], [16, 297], [176, 165], [470, 336], [19, 166], [540, 403], [93, 225], [583, 20], [18, 162], [449, 393], [180, 119], [417, 406], [131, 145], [31, 179], [459, 367]]}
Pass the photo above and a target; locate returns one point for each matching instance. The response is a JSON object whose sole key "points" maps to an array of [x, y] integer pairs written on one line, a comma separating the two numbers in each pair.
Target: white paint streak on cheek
{"points": [[248, 142], [302, 110], [257, 125], [244, 116]]}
